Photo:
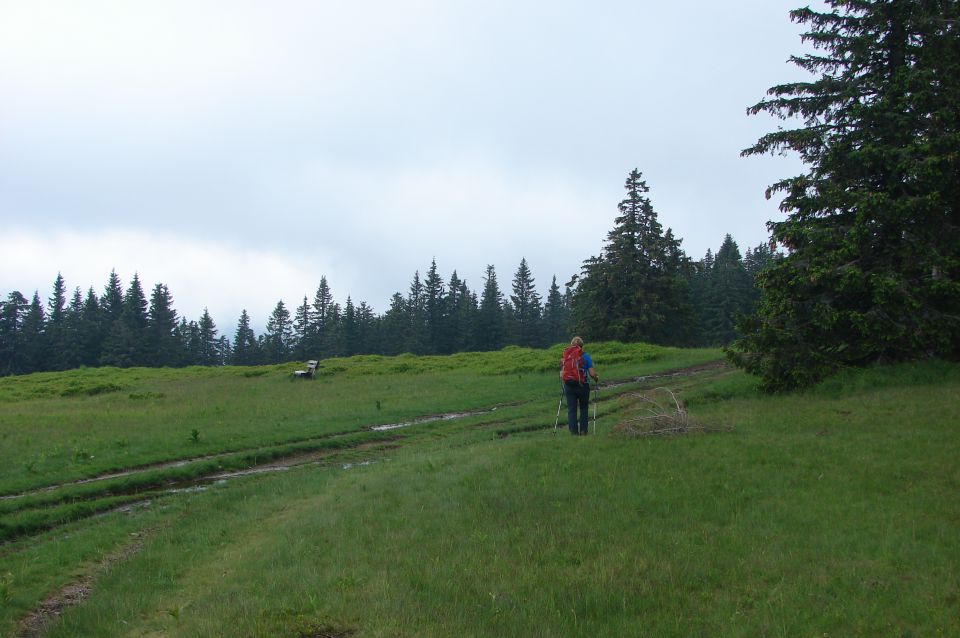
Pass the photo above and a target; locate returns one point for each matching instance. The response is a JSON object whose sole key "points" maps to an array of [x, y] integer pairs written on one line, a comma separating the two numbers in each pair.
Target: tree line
{"points": [[125, 327]]}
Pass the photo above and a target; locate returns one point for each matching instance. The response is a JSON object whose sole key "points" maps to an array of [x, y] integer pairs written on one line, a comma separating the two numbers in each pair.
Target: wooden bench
{"points": [[309, 373]]}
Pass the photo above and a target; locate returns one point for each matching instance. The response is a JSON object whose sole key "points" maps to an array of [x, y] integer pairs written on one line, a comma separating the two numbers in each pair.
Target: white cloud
{"points": [[267, 144]]}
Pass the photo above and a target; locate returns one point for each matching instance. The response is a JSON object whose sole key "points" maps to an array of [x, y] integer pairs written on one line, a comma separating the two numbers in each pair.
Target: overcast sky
{"points": [[237, 151]]}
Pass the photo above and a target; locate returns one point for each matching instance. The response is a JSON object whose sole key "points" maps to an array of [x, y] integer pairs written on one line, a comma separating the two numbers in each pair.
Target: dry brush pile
{"points": [[657, 413]]}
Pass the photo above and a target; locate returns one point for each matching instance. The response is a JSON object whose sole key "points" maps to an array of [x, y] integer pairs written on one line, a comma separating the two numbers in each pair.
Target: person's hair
{"points": [[576, 341]]}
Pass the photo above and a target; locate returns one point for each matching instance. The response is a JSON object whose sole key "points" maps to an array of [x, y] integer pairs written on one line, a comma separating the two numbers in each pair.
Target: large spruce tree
{"points": [[209, 348], [490, 325], [433, 294], [244, 342], [637, 290], [873, 226], [56, 329], [321, 335], [163, 347], [279, 337], [527, 309]]}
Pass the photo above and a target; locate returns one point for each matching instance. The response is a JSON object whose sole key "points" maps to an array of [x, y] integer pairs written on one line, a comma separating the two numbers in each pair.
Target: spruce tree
{"points": [[459, 313], [69, 355], [33, 341], [126, 343], [244, 343], [556, 316], [320, 336], [163, 348], [55, 330], [758, 258], [730, 295], [366, 328], [873, 225], [349, 345], [111, 307], [395, 326], [57, 303], [12, 314], [490, 326], [224, 351], [279, 335], [303, 323], [433, 310], [91, 330], [637, 290], [189, 336], [417, 316], [527, 309], [208, 346], [111, 303]]}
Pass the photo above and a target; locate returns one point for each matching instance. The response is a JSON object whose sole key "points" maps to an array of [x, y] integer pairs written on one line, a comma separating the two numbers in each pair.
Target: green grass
{"points": [[54, 428], [831, 512]]}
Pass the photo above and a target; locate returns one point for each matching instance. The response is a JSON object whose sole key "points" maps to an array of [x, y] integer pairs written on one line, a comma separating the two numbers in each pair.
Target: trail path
{"points": [[37, 622], [303, 458]]}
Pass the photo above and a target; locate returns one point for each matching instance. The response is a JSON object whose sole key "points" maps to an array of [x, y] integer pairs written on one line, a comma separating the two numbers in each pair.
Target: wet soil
{"points": [[37, 623], [670, 374]]}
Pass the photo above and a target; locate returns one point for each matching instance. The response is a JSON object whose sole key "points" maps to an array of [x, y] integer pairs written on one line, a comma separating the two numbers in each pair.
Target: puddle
{"points": [[183, 462], [194, 488], [450, 416], [347, 466], [113, 475]]}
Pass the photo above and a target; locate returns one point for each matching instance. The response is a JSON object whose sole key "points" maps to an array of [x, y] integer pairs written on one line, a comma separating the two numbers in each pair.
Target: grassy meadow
{"points": [[832, 512]]}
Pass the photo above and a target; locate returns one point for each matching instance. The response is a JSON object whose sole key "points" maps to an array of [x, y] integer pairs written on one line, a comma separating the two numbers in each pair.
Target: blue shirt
{"points": [[587, 362]]}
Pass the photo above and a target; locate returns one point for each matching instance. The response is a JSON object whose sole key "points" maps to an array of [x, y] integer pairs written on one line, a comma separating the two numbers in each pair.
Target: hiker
{"points": [[575, 365]]}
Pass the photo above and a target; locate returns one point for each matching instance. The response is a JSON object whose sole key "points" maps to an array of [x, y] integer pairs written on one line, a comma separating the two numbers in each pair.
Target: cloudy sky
{"points": [[237, 151]]}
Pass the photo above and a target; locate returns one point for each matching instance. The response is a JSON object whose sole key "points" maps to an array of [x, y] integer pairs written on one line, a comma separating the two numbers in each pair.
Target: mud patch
{"points": [[672, 374], [43, 617], [325, 631]]}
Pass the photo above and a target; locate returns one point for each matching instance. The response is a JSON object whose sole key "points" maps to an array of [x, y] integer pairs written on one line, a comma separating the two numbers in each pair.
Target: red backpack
{"points": [[571, 365]]}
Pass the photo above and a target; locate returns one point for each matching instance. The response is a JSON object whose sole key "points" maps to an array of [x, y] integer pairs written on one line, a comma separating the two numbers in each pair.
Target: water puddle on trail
{"points": [[111, 475], [450, 416], [348, 466], [272, 467]]}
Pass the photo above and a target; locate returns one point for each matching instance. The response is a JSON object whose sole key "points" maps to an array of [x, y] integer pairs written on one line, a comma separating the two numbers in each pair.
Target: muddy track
{"points": [[449, 416], [166, 465], [40, 619], [669, 374], [170, 485]]}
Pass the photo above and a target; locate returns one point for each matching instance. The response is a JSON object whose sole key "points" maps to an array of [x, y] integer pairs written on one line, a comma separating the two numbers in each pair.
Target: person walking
{"points": [[575, 366]]}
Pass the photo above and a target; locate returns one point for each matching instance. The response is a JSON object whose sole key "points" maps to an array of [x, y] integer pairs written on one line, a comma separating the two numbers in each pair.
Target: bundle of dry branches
{"points": [[658, 413]]}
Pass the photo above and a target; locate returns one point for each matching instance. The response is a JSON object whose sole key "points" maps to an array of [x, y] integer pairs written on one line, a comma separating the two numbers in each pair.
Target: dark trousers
{"points": [[578, 395]]}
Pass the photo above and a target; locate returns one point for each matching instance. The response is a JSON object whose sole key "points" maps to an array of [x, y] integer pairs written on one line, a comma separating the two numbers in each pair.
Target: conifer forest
{"points": [[661, 296]]}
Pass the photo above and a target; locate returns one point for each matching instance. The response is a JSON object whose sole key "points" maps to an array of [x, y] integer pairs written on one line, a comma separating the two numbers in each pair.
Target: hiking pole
{"points": [[557, 422], [596, 398]]}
